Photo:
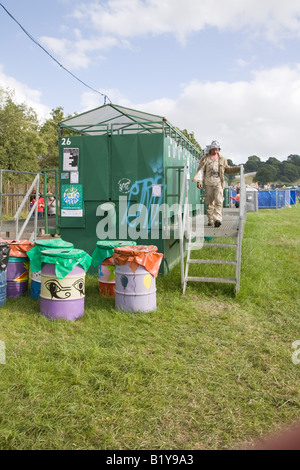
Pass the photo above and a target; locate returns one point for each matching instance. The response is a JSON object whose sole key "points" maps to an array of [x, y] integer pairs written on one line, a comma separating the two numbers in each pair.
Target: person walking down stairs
{"points": [[210, 173]]}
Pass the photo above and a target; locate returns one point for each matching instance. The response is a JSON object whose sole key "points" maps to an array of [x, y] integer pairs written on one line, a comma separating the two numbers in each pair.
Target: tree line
{"points": [[27, 145], [273, 170]]}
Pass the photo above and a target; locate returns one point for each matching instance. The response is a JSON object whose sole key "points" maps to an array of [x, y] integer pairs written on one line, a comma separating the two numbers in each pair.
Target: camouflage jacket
{"points": [[223, 168]]}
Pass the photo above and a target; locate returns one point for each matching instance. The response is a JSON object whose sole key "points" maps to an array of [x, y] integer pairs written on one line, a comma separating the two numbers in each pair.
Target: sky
{"points": [[227, 70]]}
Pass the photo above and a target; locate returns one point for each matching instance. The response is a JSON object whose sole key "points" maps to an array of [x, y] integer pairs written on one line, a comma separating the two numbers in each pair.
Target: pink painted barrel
{"points": [[107, 277], [102, 257]]}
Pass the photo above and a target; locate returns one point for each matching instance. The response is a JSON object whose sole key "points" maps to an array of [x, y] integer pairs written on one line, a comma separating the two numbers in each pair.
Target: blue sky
{"points": [[225, 69]]}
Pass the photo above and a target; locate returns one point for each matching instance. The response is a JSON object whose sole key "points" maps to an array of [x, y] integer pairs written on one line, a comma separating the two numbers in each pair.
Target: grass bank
{"points": [[205, 371]]}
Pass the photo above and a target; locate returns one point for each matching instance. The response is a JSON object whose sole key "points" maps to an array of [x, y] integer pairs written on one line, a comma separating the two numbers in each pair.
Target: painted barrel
{"points": [[63, 283], [62, 298], [35, 286], [2, 287], [36, 262], [136, 271], [107, 277], [4, 257], [17, 276], [102, 257], [135, 291]]}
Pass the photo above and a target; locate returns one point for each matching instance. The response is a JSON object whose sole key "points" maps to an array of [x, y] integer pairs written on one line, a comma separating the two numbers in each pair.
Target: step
{"points": [[211, 279], [211, 261], [221, 233], [230, 210], [221, 245]]}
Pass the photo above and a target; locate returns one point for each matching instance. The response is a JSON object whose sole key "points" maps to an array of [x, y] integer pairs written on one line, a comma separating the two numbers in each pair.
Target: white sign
{"points": [[74, 177], [72, 213], [156, 190], [70, 159]]}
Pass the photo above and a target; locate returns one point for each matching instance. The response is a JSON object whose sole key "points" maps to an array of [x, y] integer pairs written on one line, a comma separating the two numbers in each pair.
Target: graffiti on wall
{"points": [[148, 191]]}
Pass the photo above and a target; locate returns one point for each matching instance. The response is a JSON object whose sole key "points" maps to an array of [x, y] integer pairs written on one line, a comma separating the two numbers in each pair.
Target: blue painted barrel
{"points": [[2, 287], [4, 256], [17, 276], [35, 286]]}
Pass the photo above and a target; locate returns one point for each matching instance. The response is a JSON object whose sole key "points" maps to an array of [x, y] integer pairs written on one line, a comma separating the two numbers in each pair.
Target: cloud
{"points": [[75, 53], [257, 117], [130, 18], [24, 94], [89, 100], [116, 23], [260, 117]]}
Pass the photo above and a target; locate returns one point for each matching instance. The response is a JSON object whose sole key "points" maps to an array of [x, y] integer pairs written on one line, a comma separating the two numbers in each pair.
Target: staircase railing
{"points": [[235, 230], [183, 219], [20, 232]]}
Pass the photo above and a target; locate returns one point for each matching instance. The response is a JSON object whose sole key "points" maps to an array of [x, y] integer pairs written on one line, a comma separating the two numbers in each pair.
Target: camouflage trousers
{"points": [[214, 202]]}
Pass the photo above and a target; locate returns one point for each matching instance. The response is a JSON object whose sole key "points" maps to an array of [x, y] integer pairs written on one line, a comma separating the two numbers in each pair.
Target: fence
{"points": [[275, 199], [15, 196], [12, 195]]}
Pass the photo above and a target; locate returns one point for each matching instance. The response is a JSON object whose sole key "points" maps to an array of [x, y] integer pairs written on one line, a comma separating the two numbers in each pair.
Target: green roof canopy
{"points": [[114, 119]]}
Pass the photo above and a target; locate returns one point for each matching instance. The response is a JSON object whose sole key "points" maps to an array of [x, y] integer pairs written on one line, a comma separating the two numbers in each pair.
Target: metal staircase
{"points": [[232, 228]]}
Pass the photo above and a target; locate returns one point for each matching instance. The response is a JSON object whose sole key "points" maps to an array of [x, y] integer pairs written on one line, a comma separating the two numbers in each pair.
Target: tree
{"points": [[266, 174], [49, 134], [252, 164], [289, 172], [230, 176], [273, 161], [20, 143], [191, 137], [294, 159]]}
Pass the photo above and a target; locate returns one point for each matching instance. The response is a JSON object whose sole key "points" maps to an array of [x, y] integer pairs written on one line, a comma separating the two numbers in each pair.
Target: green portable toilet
{"points": [[117, 167]]}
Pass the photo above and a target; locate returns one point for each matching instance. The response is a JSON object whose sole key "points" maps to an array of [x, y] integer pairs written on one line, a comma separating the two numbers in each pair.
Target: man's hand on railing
{"points": [[199, 185]]}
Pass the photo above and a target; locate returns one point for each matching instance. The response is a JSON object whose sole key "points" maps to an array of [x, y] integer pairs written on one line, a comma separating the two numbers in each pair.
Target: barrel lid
{"points": [[136, 250], [113, 243], [65, 259], [19, 248], [65, 253], [139, 255], [105, 248], [56, 242], [18, 242]]}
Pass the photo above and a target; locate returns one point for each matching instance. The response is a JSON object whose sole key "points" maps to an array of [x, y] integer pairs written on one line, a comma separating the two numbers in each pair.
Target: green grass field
{"points": [[205, 371]]}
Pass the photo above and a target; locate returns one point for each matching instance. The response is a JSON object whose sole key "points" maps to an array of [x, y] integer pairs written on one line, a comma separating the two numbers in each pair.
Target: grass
{"points": [[205, 371], [5, 217]]}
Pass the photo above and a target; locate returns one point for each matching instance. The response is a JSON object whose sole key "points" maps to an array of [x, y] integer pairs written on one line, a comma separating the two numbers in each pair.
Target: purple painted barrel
{"points": [[135, 291], [62, 298], [136, 271], [17, 276]]}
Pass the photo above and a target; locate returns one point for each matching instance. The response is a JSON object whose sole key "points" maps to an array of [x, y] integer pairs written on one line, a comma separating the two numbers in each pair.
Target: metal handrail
{"points": [[243, 211], [35, 183], [182, 220]]}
